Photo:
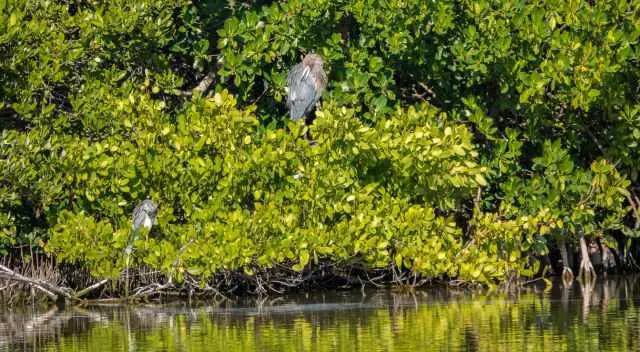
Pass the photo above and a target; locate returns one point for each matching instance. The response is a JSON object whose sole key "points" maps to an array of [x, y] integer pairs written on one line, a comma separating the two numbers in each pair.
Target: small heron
{"points": [[144, 216], [305, 83]]}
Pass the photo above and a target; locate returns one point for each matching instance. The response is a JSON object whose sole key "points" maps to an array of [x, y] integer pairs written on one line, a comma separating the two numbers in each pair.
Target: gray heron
{"points": [[144, 214], [305, 83], [144, 217]]}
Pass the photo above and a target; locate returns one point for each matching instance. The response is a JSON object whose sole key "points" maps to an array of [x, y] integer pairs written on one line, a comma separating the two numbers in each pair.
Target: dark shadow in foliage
{"points": [[10, 120]]}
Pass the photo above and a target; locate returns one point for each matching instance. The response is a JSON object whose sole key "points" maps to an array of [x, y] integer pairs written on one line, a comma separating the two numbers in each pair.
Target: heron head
{"points": [[313, 61], [315, 64], [150, 207]]}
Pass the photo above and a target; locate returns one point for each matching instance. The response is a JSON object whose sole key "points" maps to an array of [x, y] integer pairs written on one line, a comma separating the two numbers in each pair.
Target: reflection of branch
{"points": [[587, 290], [93, 316], [39, 320], [606, 295], [565, 297]]}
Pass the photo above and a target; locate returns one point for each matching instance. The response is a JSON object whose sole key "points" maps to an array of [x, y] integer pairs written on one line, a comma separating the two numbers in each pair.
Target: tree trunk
{"points": [[567, 274], [586, 268]]}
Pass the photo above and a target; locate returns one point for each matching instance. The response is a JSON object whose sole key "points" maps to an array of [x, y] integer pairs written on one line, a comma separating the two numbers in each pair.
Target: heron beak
{"points": [[305, 73]]}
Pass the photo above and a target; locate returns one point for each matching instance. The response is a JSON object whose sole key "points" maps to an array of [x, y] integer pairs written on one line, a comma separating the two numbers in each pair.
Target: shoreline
{"points": [[65, 284]]}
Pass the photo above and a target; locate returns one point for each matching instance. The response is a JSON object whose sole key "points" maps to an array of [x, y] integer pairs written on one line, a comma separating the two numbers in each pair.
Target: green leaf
{"points": [[480, 179], [304, 258]]}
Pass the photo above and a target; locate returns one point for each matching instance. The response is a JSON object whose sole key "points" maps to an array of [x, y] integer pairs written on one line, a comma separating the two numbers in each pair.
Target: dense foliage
{"points": [[456, 139]]}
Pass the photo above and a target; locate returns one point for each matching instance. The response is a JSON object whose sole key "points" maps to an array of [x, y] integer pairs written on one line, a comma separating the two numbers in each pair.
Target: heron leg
{"points": [[126, 276]]}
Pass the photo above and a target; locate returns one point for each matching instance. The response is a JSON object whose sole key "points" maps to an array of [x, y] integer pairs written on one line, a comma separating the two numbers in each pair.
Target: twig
{"points": [[260, 96], [634, 206], [457, 283], [286, 283], [8, 286], [427, 89], [181, 251], [373, 280], [595, 140], [477, 198], [532, 281], [418, 96], [203, 85], [466, 247], [205, 82]]}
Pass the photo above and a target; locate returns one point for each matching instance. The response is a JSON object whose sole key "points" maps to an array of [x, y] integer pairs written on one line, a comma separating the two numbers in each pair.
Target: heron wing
{"points": [[302, 94], [138, 217]]}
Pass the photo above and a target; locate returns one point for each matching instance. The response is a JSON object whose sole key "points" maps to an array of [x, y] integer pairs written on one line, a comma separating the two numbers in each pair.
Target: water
{"points": [[605, 317]]}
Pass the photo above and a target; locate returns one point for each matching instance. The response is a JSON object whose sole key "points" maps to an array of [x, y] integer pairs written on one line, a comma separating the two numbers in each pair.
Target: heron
{"points": [[144, 214], [144, 217], [305, 83]]}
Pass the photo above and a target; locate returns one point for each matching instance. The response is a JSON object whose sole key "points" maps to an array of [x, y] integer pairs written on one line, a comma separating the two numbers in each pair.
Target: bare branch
{"points": [[90, 288], [205, 82], [595, 140], [50, 290]]}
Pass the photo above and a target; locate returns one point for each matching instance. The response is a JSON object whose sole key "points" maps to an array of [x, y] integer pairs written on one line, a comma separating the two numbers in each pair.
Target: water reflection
{"points": [[602, 316]]}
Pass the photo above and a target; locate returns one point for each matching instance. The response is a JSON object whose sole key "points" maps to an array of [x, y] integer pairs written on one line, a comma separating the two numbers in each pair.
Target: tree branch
{"points": [[203, 85], [50, 290], [90, 288], [205, 82]]}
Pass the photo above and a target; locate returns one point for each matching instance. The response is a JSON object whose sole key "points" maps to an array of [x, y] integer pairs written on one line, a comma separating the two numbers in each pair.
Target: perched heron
{"points": [[305, 82], [144, 214]]}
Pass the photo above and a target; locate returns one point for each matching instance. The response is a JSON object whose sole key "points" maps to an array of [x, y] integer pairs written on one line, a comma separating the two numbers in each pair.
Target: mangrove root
{"points": [[587, 272], [567, 274], [54, 292]]}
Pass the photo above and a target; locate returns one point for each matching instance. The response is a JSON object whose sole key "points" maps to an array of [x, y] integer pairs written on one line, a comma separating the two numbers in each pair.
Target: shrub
{"points": [[458, 139]]}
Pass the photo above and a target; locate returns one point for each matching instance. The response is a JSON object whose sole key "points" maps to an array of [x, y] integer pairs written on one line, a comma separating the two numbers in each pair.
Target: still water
{"points": [[602, 317]]}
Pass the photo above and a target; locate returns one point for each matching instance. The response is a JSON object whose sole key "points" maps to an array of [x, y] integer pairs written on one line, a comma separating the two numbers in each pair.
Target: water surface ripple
{"points": [[602, 317]]}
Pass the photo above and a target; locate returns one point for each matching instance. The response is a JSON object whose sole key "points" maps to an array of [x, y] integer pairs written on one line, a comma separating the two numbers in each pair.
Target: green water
{"points": [[604, 317]]}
